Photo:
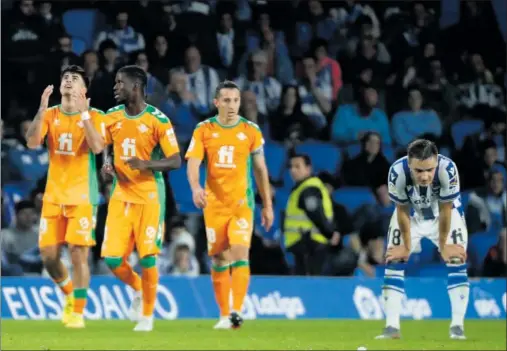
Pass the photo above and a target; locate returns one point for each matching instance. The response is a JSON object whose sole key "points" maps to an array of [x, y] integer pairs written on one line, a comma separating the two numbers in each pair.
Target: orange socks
{"points": [[150, 283], [66, 285], [126, 274], [221, 278], [80, 296], [240, 281]]}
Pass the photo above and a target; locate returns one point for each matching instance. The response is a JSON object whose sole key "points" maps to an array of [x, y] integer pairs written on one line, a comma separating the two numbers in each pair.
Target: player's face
{"points": [[298, 169], [123, 87], [423, 171], [71, 83], [228, 103]]}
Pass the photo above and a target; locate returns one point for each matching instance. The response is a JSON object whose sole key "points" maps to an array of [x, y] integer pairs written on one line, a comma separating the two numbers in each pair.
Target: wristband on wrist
{"points": [[85, 116]]}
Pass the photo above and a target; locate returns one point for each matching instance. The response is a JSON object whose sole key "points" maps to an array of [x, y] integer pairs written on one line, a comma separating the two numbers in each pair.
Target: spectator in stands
{"points": [[52, 23], [101, 81], [182, 107], [410, 124], [155, 92], [62, 55], [288, 122], [249, 110], [486, 210], [342, 220], [112, 59], [161, 60], [476, 170], [123, 35], [24, 163], [22, 236], [309, 219], [230, 43], [178, 258], [316, 96], [328, 69], [495, 263], [266, 89], [368, 30], [372, 223], [202, 80], [370, 167], [351, 121]]}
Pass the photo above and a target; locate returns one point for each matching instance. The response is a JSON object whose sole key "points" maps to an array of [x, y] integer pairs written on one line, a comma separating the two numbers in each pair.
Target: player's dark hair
{"points": [[306, 159], [135, 73], [75, 69], [422, 149], [226, 84]]}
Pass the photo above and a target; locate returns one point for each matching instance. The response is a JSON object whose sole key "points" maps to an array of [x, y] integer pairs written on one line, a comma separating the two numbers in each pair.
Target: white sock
{"points": [[459, 291], [393, 292]]}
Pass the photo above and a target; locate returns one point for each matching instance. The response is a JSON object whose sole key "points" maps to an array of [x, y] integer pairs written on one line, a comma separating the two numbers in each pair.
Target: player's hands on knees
{"points": [[107, 171], [267, 217], [397, 253], [44, 100], [453, 251], [199, 197]]}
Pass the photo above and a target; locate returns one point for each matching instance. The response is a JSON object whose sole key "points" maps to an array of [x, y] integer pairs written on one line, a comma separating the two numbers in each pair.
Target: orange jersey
{"points": [[227, 151], [72, 175], [147, 136]]}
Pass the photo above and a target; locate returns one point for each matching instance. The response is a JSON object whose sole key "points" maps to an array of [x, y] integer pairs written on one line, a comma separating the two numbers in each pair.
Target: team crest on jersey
{"points": [[142, 128], [118, 125], [241, 136], [56, 122]]}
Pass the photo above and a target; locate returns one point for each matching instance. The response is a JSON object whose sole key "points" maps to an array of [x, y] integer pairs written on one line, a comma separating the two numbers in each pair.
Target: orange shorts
{"points": [[226, 228], [72, 224], [128, 224]]}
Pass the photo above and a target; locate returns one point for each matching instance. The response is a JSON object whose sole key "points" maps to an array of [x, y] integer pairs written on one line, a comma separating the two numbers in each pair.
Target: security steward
{"points": [[308, 225]]}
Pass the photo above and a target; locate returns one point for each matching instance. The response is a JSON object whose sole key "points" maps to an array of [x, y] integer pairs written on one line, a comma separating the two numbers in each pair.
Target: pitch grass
{"points": [[254, 335]]}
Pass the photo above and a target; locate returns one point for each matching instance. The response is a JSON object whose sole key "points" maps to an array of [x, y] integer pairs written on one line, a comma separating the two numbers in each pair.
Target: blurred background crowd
{"points": [[347, 83]]}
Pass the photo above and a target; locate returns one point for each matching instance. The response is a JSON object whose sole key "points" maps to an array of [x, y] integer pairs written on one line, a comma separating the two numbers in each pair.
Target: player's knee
{"points": [[78, 254], [148, 261], [239, 252], [50, 256], [113, 262]]}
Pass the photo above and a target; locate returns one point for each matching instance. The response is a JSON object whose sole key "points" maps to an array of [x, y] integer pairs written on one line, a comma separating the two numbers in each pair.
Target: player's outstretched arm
{"points": [[262, 180], [34, 133]]}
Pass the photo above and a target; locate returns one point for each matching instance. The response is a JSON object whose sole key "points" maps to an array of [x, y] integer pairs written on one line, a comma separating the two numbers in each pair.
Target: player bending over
{"points": [[144, 145], [231, 145], [71, 195], [428, 183]]}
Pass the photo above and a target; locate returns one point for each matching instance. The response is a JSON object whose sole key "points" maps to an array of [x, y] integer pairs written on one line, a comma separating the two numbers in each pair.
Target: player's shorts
{"points": [[128, 224], [71, 224], [226, 228], [421, 228]]}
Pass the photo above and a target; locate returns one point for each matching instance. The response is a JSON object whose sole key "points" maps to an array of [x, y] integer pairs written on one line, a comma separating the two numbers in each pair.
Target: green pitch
{"points": [[254, 335]]}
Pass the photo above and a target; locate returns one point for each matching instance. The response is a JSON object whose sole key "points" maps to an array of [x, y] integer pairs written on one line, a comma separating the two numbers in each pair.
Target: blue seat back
{"points": [[461, 129], [181, 189], [78, 46], [324, 156], [276, 160], [353, 197], [81, 23]]}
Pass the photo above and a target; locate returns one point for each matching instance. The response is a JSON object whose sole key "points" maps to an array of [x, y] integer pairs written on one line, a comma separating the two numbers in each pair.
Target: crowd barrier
{"points": [[269, 297]]}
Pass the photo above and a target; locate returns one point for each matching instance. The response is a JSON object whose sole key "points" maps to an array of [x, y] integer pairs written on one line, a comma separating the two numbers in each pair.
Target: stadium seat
{"points": [[353, 150], [478, 247], [354, 197], [281, 197], [181, 189], [461, 129], [324, 156], [78, 46], [276, 158], [81, 23]]}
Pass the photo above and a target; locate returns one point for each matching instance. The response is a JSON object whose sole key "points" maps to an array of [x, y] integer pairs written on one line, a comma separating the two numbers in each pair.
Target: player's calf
{"points": [[393, 291], [458, 288], [240, 267], [149, 284], [79, 258]]}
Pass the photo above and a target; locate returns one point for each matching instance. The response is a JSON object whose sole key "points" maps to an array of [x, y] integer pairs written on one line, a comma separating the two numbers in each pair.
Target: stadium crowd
{"points": [[349, 83]]}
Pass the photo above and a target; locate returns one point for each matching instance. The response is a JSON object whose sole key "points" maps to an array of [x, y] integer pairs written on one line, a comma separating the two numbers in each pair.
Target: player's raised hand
{"points": [[267, 217], [199, 197], [452, 251], [397, 253], [44, 100], [82, 103]]}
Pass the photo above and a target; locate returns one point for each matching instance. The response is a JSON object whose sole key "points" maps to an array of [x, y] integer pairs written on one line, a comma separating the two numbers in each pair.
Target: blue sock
{"points": [[459, 290]]}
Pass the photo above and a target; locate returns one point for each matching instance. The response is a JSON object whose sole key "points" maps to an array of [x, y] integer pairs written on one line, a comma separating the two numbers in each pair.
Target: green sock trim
{"points": [[220, 268], [242, 263], [80, 293], [148, 261], [113, 262]]}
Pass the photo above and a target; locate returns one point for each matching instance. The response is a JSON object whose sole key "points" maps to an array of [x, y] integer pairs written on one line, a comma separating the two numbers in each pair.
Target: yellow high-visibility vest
{"points": [[296, 221]]}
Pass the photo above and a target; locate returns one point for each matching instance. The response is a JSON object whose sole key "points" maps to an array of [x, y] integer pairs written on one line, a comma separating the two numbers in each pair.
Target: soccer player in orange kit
{"points": [[144, 145], [71, 130], [231, 145]]}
